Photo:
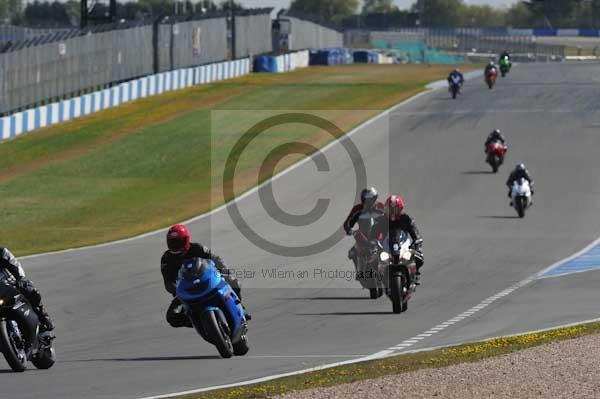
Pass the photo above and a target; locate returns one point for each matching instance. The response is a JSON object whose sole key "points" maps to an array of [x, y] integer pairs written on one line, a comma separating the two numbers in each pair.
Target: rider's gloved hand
{"points": [[23, 284]]}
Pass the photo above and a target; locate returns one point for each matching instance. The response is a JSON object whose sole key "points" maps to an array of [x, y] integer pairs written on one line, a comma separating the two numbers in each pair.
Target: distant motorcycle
{"points": [[20, 339], [454, 86], [521, 196], [505, 66], [491, 77], [399, 270], [495, 155], [212, 306]]}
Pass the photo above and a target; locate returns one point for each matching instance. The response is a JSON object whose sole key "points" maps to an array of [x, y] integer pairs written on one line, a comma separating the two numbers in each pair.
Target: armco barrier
{"points": [[46, 115], [282, 63]]}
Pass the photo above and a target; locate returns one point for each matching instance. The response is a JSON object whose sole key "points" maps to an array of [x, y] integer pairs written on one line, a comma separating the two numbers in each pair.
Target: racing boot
{"points": [[46, 324]]}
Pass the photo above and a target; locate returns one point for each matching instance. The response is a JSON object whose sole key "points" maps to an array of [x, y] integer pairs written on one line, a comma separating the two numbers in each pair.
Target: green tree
{"points": [[595, 13], [9, 9], [439, 13], [520, 16], [378, 6], [482, 16], [328, 10], [559, 13]]}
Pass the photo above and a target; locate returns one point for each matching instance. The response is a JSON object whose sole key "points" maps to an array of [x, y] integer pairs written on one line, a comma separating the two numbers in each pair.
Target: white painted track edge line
{"points": [[429, 89], [429, 349], [252, 190]]}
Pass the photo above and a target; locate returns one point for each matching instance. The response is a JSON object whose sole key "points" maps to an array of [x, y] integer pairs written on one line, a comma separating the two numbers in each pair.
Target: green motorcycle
{"points": [[505, 66]]}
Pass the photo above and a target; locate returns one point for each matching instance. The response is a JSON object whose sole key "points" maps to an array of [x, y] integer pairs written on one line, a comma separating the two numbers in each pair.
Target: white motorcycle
{"points": [[521, 196]]}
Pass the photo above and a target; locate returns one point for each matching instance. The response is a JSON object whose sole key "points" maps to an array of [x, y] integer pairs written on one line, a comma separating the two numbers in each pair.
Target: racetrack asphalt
{"points": [[109, 302]]}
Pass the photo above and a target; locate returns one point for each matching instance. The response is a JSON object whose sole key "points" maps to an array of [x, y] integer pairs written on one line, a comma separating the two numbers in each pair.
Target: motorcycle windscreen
{"points": [[396, 241], [198, 278], [368, 220]]}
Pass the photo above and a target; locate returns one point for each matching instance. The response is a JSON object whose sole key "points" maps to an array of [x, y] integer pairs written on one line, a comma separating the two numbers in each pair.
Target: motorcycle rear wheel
{"points": [[16, 361]]}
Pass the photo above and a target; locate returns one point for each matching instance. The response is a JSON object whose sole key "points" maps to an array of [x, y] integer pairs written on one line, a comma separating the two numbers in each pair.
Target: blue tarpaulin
{"points": [[265, 64], [331, 56], [366, 57]]}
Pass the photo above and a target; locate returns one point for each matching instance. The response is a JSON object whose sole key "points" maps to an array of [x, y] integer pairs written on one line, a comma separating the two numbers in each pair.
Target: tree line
{"points": [[455, 13], [67, 14], [344, 13]]}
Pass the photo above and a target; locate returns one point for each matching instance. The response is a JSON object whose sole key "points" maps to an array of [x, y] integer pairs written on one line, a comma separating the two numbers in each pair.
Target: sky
{"points": [[399, 3]]}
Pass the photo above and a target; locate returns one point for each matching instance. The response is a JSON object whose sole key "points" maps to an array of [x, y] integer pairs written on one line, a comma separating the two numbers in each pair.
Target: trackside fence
{"points": [[65, 110]]}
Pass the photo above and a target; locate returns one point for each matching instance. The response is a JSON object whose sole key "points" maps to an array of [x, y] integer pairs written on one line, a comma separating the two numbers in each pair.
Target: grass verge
{"points": [[150, 163], [399, 364]]}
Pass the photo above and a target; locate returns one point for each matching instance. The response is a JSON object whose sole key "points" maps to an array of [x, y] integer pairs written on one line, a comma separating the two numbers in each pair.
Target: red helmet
{"points": [[394, 206], [178, 239]]}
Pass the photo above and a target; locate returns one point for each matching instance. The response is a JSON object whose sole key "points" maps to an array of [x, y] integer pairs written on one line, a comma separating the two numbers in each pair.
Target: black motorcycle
{"points": [[20, 339], [399, 270], [454, 86]]}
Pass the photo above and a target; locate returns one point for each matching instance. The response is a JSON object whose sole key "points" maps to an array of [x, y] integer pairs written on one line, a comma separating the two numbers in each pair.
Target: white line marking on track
{"points": [[347, 136], [394, 350]]}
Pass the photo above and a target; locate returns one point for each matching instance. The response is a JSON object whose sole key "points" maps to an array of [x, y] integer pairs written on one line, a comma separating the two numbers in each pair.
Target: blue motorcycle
{"points": [[214, 309]]}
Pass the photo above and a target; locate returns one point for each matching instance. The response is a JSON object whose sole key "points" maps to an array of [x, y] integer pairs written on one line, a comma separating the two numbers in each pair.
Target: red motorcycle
{"points": [[496, 152], [491, 77]]}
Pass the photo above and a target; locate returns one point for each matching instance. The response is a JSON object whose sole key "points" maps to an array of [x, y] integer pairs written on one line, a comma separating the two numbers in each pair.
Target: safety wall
{"points": [[30, 74], [33, 74], [183, 44], [282, 63], [309, 35], [47, 115], [253, 34]]}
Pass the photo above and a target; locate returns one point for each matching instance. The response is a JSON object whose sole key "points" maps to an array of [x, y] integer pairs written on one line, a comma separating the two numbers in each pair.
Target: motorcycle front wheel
{"points": [[15, 357], [213, 328], [396, 293], [520, 207], [241, 347]]}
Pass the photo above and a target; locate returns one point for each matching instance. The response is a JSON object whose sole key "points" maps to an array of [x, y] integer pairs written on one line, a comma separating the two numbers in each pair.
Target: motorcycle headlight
{"points": [[384, 256], [1, 301], [407, 255]]}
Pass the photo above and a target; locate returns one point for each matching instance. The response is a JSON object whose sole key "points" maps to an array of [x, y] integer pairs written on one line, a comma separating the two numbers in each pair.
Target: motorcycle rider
{"points": [[180, 249], [494, 136], [491, 65], [520, 171], [400, 221], [16, 275], [456, 74], [368, 201], [506, 54]]}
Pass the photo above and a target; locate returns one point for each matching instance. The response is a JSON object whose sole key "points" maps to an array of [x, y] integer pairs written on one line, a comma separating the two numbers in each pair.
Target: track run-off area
{"points": [[109, 302]]}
